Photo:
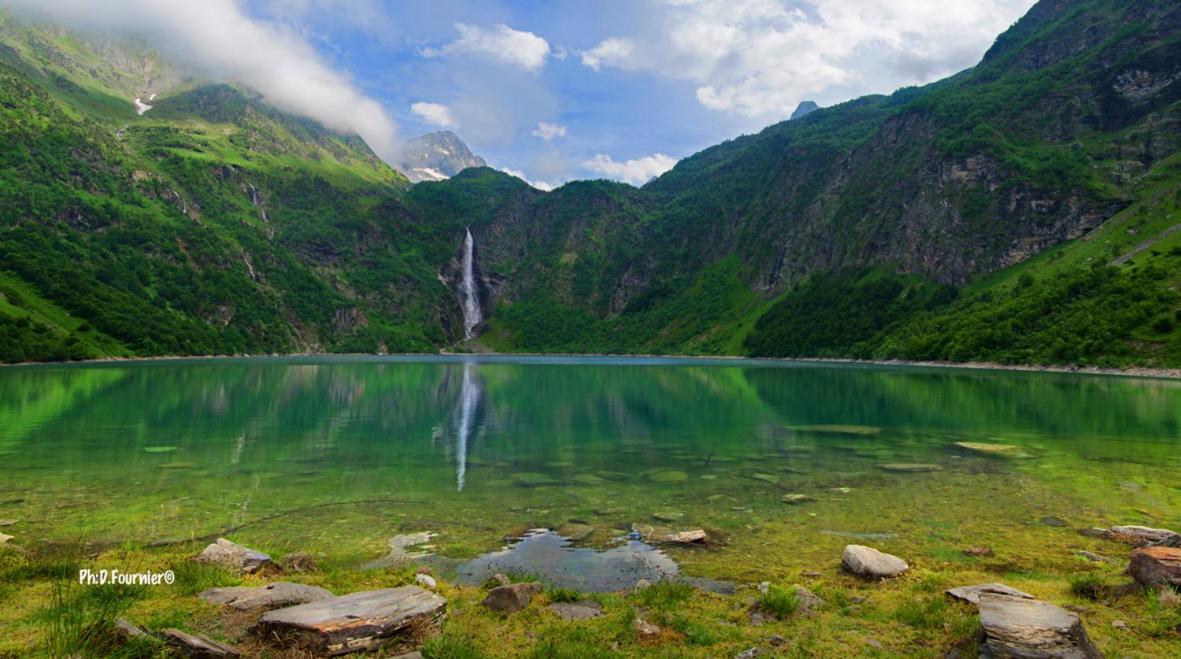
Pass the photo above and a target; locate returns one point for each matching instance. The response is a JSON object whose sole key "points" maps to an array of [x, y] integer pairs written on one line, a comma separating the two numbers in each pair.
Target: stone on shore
{"points": [[511, 598], [1031, 629], [426, 581], [7, 522], [128, 630], [270, 596], [971, 594], [796, 499], [4, 538], [234, 556], [351, 623], [908, 467], [809, 601], [870, 563], [1144, 536], [577, 610], [197, 646], [576, 531], [645, 628], [1156, 566]]}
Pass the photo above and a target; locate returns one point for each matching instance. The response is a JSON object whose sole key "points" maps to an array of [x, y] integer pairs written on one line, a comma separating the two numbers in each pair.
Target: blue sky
{"points": [[555, 91]]}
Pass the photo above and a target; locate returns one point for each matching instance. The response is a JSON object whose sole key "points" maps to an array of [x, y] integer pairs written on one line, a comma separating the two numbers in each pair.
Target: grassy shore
{"points": [[48, 614]]}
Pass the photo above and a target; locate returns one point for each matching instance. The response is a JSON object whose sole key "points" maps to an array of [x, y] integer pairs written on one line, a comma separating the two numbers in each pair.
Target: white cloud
{"points": [[637, 171], [760, 58], [610, 52], [221, 41], [435, 114], [540, 185], [500, 42], [547, 131]]}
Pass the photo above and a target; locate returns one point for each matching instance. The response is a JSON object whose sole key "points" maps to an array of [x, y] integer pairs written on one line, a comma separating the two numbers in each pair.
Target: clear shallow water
{"points": [[335, 455]]}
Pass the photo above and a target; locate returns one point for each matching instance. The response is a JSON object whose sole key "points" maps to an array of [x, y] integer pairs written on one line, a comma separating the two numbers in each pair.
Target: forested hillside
{"points": [[1026, 210]]}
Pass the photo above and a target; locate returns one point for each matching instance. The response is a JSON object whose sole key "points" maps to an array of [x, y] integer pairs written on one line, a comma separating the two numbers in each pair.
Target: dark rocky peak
{"points": [[805, 108], [437, 156]]}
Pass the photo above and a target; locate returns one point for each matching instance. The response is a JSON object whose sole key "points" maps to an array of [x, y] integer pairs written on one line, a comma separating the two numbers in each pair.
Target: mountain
{"points": [[1024, 210], [437, 156], [804, 108]]}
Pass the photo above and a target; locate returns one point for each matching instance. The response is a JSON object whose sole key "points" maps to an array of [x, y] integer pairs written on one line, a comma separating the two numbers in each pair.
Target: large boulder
{"points": [[1144, 536], [234, 556], [1156, 566], [1031, 629], [511, 598], [870, 563], [352, 623], [971, 594], [270, 596]]}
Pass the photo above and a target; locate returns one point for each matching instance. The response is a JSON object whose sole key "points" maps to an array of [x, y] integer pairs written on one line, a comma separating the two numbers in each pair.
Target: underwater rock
{"points": [[270, 596], [398, 550], [234, 556], [577, 610], [511, 598], [197, 646], [576, 531], [588, 479], [908, 467], [354, 622], [796, 499], [971, 594], [836, 429], [668, 476], [1156, 566], [988, 449], [766, 478], [870, 563], [530, 479], [1033, 629]]}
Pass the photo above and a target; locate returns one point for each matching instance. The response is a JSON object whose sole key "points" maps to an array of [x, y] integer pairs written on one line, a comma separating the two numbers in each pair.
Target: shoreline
{"points": [[1131, 372]]}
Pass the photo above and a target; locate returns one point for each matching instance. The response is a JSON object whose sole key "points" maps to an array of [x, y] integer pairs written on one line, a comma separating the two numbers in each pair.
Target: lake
{"points": [[335, 455]]}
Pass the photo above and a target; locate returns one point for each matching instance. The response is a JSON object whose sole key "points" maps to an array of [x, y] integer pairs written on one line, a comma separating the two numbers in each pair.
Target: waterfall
{"points": [[470, 295], [470, 392]]}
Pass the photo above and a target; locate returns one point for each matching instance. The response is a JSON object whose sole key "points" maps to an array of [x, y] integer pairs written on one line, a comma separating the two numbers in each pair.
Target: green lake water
{"points": [[336, 455]]}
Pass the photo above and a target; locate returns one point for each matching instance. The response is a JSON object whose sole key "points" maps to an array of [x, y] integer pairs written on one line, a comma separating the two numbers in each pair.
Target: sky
{"points": [[559, 90]]}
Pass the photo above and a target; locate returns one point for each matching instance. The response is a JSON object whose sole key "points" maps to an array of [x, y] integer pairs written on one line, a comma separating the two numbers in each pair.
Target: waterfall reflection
{"points": [[471, 393]]}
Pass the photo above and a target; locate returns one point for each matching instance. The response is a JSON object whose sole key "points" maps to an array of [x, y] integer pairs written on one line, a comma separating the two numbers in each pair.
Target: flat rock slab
{"points": [[577, 610], [270, 596], [870, 563], [197, 646], [354, 622], [1156, 566], [1031, 629], [971, 594], [234, 556], [908, 467], [991, 450], [511, 598], [1144, 536]]}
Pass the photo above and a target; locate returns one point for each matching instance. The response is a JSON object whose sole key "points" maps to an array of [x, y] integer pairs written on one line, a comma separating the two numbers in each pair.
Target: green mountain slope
{"points": [[1020, 211]]}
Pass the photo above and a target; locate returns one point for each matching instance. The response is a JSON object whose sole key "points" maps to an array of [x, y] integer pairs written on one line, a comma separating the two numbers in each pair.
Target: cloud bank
{"points": [[547, 131], [637, 171], [760, 58], [499, 42], [220, 40], [435, 114]]}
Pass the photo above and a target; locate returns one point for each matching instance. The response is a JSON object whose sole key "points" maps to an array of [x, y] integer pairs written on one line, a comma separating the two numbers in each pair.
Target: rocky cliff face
{"points": [[437, 156]]}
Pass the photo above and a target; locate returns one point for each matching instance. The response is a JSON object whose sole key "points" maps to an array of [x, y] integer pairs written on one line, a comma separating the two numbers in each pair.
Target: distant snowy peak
{"points": [[437, 156]]}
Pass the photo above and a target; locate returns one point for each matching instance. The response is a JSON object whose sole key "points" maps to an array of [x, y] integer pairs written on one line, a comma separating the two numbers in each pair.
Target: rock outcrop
{"points": [[352, 623], [1031, 629], [234, 556]]}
